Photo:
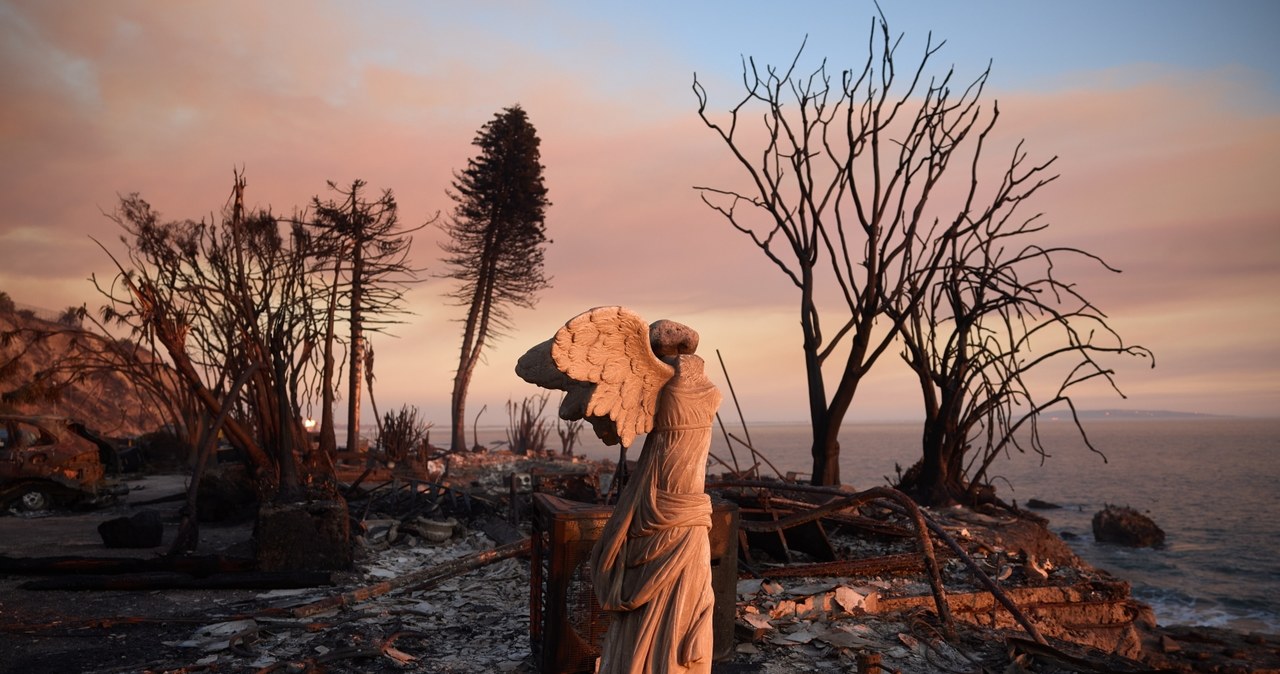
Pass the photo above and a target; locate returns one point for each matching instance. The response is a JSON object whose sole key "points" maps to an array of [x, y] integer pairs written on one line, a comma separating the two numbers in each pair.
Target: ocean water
{"points": [[1210, 483]]}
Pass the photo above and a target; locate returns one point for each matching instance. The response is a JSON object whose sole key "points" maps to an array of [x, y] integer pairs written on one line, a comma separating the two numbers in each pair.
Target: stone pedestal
{"points": [[307, 536]]}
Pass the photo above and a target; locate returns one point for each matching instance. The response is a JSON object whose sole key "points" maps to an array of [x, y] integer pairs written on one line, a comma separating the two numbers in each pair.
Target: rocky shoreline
{"points": [[477, 618]]}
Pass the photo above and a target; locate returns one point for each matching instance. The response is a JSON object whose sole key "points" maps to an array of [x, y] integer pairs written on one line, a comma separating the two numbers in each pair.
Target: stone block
{"points": [[306, 536]]}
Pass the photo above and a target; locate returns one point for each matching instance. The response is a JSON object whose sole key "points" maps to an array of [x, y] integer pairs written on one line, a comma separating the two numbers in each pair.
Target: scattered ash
{"points": [[478, 620]]}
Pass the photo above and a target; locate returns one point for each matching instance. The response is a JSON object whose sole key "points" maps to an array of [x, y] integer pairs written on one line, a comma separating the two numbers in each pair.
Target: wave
{"points": [[1174, 607]]}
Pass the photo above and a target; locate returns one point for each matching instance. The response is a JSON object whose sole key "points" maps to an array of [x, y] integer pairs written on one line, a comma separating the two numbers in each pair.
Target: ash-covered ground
{"points": [[478, 619]]}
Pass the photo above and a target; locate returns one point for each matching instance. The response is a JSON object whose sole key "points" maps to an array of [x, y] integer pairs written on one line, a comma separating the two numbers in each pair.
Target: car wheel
{"points": [[32, 499]]}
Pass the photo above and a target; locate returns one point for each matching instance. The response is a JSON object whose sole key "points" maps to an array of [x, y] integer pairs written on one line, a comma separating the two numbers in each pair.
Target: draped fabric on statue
{"points": [[652, 565]]}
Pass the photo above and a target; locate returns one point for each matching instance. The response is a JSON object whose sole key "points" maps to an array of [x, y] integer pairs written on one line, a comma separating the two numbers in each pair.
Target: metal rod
{"points": [[729, 443], [758, 456], [735, 397], [741, 419]]}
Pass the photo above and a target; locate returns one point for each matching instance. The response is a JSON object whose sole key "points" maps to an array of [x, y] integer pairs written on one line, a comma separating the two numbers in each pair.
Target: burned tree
{"points": [[843, 196], [999, 339], [223, 299], [236, 308], [366, 253], [496, 241]]}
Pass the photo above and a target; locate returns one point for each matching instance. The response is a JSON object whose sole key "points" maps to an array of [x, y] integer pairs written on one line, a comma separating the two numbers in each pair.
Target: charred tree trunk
{"points": [[354, 375], [938, 478], [328, 435], [188, 537], [286, 438], [825, 449], [476, 327], [933, 480]]}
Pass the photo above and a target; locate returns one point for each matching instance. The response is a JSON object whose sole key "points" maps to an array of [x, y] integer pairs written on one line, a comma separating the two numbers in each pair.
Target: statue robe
{"points": [[652, 565]]}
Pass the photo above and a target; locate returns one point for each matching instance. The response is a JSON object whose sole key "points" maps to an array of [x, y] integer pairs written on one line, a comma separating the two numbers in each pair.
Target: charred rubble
{"points": [[471, 568]]}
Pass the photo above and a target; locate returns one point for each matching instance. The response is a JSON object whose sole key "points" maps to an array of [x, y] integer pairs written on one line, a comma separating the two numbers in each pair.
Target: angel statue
{"points": [[651, 567]]}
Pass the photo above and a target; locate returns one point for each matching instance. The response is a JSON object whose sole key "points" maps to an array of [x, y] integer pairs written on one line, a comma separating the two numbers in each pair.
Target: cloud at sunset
{"points": [[1167, 173]]}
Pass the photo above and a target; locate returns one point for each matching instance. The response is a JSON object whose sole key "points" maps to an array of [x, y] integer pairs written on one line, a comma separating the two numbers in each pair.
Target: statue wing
{"points": [[609, 347]]}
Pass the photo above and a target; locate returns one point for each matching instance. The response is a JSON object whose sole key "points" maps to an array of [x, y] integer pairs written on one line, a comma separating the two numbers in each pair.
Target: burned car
{"points": [[48, 462]]}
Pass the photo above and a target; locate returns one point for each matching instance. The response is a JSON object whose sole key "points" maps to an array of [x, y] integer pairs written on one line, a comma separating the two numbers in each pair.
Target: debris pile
{"points": [[477, 621], [869, 598], [442, 583]]}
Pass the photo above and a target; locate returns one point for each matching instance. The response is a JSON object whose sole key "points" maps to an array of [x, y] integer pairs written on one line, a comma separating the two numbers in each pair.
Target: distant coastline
{"points": [[493, 432], [1138, 414], [1052, 415]]}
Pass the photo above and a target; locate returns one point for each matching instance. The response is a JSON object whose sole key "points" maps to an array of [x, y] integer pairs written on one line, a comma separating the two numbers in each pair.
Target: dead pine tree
{"points": [[366, 256], [495, 243]]}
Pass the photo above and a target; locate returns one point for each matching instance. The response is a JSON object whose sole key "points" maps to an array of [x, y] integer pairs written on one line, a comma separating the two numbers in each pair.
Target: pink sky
{"points": [[1169, 164]]}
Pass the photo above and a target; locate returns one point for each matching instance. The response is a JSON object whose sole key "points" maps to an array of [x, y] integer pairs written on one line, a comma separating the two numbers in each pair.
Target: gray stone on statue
{"points": [[669, 338]]}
